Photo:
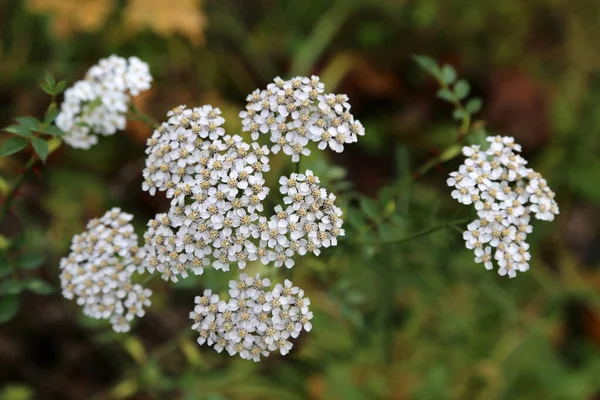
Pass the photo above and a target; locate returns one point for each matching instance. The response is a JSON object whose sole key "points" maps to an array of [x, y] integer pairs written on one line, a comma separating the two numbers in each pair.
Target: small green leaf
{"points": [[10, 286], [19, 131], [12, 145], [49, 90], [448, 74], [450, 153], [369, 207], [41, 147], [51, 114], [462, 89], [29, 122], [473, 106], [427, 63], [50, 81], [60, 87], [53, 130], [9, 306], [446, 94], [30, 260], [460, 114], [38, 286]]}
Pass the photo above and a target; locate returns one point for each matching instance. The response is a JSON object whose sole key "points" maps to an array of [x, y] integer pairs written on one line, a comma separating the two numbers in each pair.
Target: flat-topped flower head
{"points": [[505, 194], [97, 272], [97, 105], [254, 322], [297, 111]]}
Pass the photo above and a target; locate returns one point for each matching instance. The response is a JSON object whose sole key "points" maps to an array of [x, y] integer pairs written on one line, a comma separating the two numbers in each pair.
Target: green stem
{"points": [[13, 191], [428, 231], [145, 118]]}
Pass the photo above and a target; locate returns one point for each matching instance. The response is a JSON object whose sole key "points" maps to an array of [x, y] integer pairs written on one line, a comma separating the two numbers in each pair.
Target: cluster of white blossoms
{"points": [[216, 186], [253, 322], [297, 111], [215, 218], [98, 271], [506, 194], [97, 105]]}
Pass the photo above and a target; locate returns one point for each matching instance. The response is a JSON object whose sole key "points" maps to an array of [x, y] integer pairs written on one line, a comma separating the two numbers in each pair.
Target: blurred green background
{"points": [[416, 320]]}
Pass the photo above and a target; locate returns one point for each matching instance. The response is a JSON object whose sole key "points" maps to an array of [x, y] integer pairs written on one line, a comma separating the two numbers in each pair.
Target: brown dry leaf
{"points": [[72, 16], [167, 17]]}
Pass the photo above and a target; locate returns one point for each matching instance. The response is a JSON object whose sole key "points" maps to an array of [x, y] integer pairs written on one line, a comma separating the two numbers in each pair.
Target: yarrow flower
{"points": [[297, 111], [97, 105], [253, 322], [216, 189], [506, 194], [216, 185], [97, 272]]}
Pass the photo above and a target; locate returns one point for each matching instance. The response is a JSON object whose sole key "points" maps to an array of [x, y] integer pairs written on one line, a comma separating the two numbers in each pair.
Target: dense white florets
{"points": [[505, 194], [217, 190], [253, 322], [98, 104], [97, 272], [297, 111]]}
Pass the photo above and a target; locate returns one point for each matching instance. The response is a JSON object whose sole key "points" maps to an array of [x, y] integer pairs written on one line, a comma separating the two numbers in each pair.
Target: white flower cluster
{"points": [[216, 188], [253, 322], [99, 103], [216, 185], [506, 194], [297, 111], [99, 268]]}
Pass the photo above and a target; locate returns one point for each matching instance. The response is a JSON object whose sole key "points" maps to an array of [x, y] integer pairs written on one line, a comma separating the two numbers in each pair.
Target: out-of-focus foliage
{"points": [[394, 318]]}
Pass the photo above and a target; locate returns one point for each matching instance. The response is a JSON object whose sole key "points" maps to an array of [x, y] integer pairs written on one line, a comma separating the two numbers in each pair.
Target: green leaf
{"points": [[12, 145], [29, 123], [30, 260], [462, 89], [369, 207], [448, 75], [450, 152], [19, 131], [49, 90], [460, 114], [50, 81], [10, 286], [473, 106], [53, 130], [9, 306], [38, 286], [51, 114], [447, 94], [60, 87], [41, 147], [427, 63]]}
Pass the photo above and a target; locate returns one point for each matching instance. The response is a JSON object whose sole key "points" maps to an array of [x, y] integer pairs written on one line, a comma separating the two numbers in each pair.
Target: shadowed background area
{"points": [[413, 320]]}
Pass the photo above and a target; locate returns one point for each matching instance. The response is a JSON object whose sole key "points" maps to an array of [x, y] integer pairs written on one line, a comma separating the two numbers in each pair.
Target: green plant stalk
{"points": [[427, 231], [141, 116]]}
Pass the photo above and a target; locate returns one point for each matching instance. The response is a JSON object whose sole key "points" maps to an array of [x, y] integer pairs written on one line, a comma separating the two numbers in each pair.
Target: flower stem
{"points": [[428, 231], [13, 191], [141, 116]]}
